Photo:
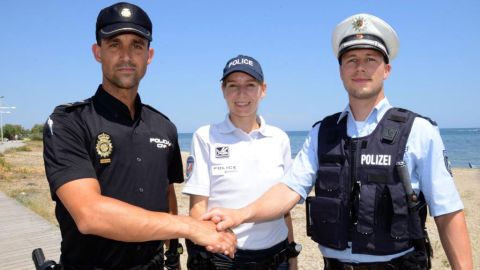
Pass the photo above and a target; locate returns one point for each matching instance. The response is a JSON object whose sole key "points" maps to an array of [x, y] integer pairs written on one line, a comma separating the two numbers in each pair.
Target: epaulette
{"points": [[155, 110], [316, 123], [331, 118], [68, 107], [428, 119], [418, 115]]}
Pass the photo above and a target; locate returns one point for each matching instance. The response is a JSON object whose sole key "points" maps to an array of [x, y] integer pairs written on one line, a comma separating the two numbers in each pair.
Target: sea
{"points": [[462, 145]]}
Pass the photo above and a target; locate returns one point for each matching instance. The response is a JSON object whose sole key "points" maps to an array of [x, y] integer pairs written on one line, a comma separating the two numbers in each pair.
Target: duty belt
{"points": [[415, 260], [270, 263], [201, 259]]}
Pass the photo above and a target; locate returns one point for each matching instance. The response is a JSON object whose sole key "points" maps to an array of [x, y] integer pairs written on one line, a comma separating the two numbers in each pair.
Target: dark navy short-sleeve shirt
{"points": [[134, 160]]}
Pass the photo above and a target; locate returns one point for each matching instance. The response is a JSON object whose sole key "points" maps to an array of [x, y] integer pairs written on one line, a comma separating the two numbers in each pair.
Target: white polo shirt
{"points": [[233, 168]]}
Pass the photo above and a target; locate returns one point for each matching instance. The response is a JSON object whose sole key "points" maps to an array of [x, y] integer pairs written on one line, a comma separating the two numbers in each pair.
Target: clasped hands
{"points": [[224, 240]]}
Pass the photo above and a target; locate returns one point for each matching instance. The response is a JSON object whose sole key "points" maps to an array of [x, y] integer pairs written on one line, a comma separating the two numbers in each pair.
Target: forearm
{"points": [[453, 233], [273, 204], [114, 219], [104, 216], [289, 223]]}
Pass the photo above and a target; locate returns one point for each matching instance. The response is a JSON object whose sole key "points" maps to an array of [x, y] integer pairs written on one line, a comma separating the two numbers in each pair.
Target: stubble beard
{"points": [[124, 83], [365, 93]]}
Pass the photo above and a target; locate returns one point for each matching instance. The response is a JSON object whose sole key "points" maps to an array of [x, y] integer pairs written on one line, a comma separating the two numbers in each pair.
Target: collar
{"points": [[112, 106], [377, 112], [228, 127]]}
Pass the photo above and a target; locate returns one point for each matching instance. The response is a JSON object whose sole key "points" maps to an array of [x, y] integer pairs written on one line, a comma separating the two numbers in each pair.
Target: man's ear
{"points": [[388, 69], [151, 52], [97, 53]]}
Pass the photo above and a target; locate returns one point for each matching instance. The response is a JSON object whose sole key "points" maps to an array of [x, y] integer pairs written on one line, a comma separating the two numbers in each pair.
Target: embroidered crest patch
{"points": [[222, 152], [104, 147]]}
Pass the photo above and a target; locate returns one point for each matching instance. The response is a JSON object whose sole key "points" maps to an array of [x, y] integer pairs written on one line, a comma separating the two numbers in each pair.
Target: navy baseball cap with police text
{"points": [[245, 64], [122, 18]]}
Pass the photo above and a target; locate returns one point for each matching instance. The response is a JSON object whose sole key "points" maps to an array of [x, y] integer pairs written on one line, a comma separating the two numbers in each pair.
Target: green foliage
{"points": [[36, 136], [36, 133], [9, 131], [37, 128]]}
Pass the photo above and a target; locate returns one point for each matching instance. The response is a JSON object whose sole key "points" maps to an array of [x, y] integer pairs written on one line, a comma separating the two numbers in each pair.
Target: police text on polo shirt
{"points": [[371, 159], [161, 143]]}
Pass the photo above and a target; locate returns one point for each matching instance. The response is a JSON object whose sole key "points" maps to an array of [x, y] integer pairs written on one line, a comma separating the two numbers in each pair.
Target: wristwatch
{"points": [[293, 249]]}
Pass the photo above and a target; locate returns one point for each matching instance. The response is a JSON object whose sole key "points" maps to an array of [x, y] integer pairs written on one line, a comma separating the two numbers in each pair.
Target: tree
{"points": [[37, 128], [9, 131], [36, 133]]}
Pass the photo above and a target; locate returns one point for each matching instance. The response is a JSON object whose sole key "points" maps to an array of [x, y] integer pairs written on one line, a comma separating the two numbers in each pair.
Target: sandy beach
{"points": [[22, 177]]}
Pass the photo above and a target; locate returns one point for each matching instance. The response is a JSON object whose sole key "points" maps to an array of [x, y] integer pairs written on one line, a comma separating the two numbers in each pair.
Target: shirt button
{"points": [[139, 159], [141, 190]]}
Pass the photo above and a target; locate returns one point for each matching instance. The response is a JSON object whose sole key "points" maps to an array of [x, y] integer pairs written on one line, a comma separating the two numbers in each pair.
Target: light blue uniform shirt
{"points": [[424, 156]]}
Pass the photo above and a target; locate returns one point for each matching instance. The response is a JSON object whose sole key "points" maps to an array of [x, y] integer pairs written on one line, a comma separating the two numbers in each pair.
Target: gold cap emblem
{"points": [[359, 24], [126, 13], [104, 147]]}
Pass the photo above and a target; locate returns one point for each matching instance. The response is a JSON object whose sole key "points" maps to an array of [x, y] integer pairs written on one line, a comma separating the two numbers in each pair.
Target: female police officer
{"points": [[232, 163]]}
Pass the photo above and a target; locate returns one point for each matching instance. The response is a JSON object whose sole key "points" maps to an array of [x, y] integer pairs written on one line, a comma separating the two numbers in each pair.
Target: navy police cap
{"points": [[245, 64], [121, 18]]}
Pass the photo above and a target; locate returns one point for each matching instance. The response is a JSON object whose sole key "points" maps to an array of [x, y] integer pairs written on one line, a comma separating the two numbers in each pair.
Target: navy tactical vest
{"points": [[359, 197]]}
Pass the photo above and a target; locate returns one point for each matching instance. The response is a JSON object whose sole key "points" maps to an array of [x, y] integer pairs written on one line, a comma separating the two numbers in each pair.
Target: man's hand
{"points": [[225, 218], [205, 234]]}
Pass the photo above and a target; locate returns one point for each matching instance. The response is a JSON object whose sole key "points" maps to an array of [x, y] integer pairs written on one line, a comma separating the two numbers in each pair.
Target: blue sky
{"points": [[46, 54]]}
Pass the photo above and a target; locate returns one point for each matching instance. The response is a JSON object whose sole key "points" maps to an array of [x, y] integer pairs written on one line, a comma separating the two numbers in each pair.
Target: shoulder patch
{"points": [[155, 110], [189, 164], [448, 166]]}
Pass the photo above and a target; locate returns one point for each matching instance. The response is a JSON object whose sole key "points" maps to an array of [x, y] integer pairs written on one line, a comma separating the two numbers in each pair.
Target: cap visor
{"points": [[361, 46], [244, 70], [119, 28]]}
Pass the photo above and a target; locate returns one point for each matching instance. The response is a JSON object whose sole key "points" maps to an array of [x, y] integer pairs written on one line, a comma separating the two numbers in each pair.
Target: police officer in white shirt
{"points": [[232, 163], [373, 168]]}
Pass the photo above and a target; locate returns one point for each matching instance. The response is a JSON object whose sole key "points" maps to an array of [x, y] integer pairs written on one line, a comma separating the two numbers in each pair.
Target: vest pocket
{"points": [[366, 209], [328, 179], [399, 229], [328, 219]]}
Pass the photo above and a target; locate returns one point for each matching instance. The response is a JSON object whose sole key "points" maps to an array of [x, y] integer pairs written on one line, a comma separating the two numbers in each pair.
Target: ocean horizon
{"points": [[462, 144]]}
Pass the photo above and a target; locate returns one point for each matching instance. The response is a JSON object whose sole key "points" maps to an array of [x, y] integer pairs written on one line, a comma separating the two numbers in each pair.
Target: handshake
{"points": [[214, 230]]}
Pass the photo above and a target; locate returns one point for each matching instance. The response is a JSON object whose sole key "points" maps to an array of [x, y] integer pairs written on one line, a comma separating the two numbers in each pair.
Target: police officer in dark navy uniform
{"points": [[111, 162], [374, 167]]}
